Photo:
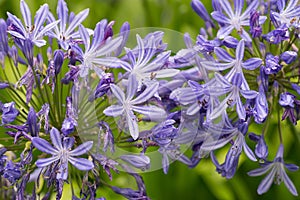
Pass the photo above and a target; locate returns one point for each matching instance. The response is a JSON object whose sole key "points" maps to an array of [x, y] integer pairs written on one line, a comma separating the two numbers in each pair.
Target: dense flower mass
{"points": [[75, 91]]}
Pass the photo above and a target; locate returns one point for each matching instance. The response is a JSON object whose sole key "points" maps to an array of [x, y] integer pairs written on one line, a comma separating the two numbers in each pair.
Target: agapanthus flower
{"points": [[9, 112], [95, 55], [35, 31], [277, 173], [261, 148], [235, 19], [288, 14], [237, 64], [233, 98], [65, 32], [129, 104], [291, 105], [62, 154], [146, 65]]}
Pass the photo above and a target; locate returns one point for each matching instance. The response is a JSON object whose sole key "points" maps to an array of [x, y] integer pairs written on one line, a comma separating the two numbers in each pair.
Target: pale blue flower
{"points": [[277, 173], [129, 104]]}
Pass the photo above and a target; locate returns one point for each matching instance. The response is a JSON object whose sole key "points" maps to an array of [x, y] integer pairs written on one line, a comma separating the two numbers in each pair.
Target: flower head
{"points": [[62, 154], [277, 173]]}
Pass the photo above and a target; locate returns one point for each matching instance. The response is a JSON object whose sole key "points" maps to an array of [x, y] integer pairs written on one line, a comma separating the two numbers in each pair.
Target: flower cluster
{"points": [[242, 71]]}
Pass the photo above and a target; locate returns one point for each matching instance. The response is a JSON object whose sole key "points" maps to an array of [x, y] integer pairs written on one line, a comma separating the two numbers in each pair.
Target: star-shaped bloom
{"points": [[288, 14], [235, 19], [34, 32], [277, 173], [234, 91], [129, 104], [236, 64], [95, 56], [146, 65], [63, 33], [62, 154]]}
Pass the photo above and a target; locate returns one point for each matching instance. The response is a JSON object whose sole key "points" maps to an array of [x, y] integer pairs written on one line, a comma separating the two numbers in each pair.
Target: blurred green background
{"points": [[181, 182]]}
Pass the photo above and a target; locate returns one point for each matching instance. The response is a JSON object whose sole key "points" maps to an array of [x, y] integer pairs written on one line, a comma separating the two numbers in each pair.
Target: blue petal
{"points": [[210, 65], [25, 13], [227, 8], [114, 110], [62, 13], [40, 17], [131, 86], [251, 7], [44, 162], [44, 146], [85, 37], [82, 149], [224, 31], [281, 5], [260, 171], [289, 184], [220, 17], [132, 124], [239, 54], [17, 22], [266, 183], [146, 94], [81, 163], [99, 34], [223, 55], [56, 138], [252, 63], [108, 47], [118, 93], [77, 20], [153, 112], [238, 7]]}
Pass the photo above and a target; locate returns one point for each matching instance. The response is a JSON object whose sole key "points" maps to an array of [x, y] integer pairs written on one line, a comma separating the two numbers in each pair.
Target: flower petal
{"points": [[132, 125], [113, 110], [266, 183], [43, 146], [252, 63], [56, 138], [44, 162], [82, 149], [146, 94], [77, 20], [81, 163], [116, 90], [25, 13]]}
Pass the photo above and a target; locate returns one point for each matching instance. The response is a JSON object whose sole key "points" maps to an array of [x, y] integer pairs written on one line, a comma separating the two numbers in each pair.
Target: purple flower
{"points": [[103, 86], [277, 173], [95, 55], [255, 28], [144, 64], [288, 56], [200, 9], [235, 19], [278, 35], [33, 127], [3, 38], [291, 105], [63, 33], [12, 171], [9, 112], [261, 148], [233, 98], [288, 14], [2, 159], [62, 154], [260, 110], [236, 63], [129, 104], [272, 64], [33, 32]]}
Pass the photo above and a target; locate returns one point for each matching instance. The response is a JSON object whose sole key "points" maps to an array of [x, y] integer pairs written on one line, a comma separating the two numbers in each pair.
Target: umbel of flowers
{"points": [[242, 71]]}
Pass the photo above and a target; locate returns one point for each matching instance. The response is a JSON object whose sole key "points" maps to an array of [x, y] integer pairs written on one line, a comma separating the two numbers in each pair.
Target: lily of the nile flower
{"points": [[61, 152], [233, 98], [288, 14], [35, 31], [9, 112], [236, 63], [63, 33], [143, 66], [291, 105], [277, 173], [260, 110], [128, 105], [235, 19], [235, 136], [261, 148], [288, 56], [96, 53]]}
